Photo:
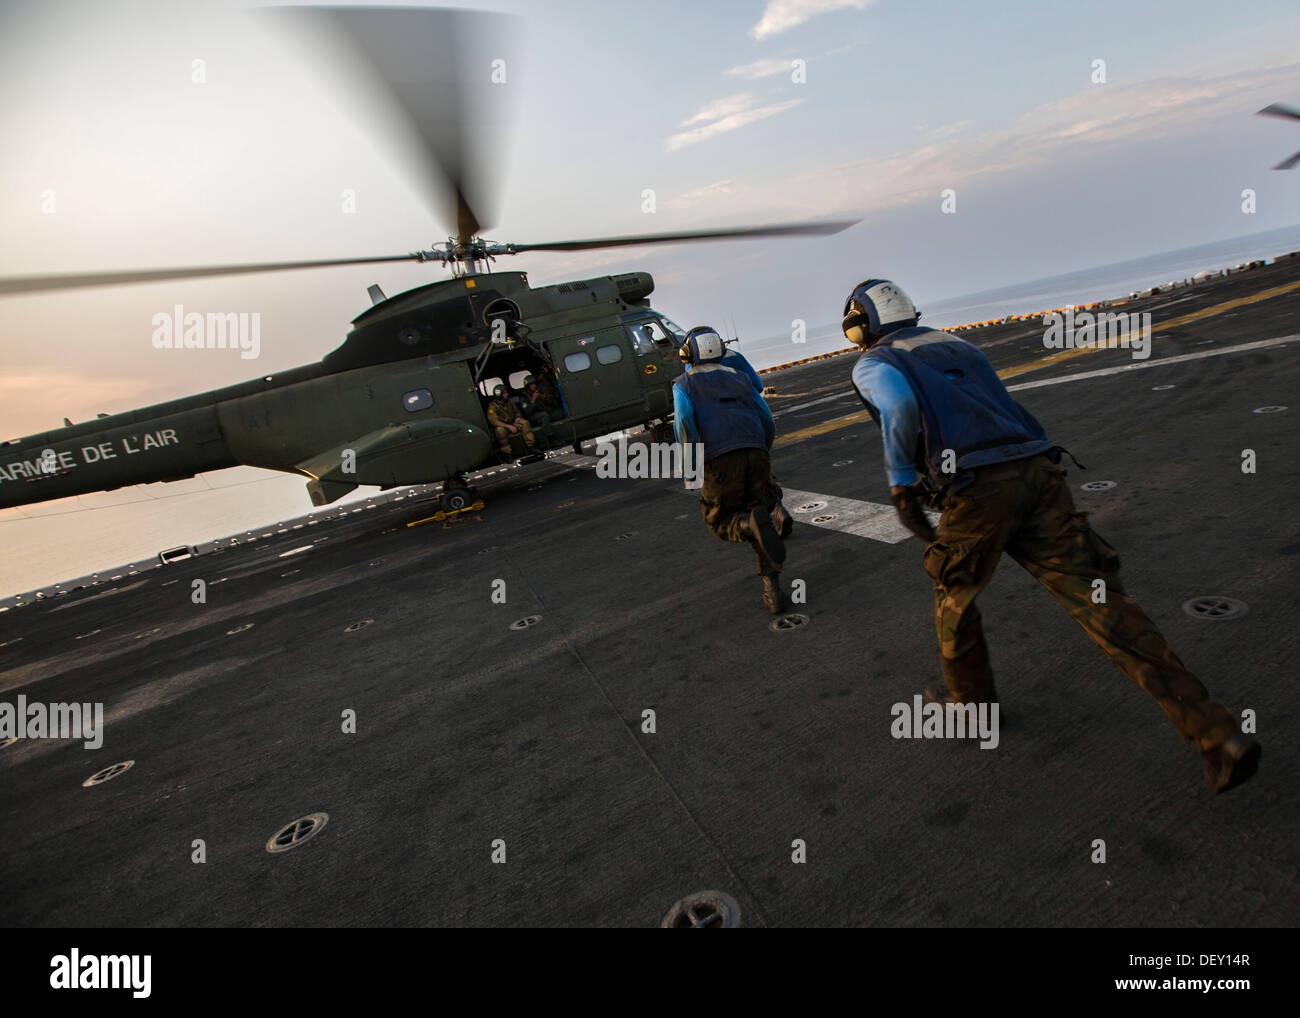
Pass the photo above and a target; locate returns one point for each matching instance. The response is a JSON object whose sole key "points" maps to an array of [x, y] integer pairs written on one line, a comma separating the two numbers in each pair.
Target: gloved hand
{"points": [[908, 500]]}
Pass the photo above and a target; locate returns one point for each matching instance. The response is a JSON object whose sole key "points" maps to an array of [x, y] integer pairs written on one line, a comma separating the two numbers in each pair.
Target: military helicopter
{"points": [[402, 400]]}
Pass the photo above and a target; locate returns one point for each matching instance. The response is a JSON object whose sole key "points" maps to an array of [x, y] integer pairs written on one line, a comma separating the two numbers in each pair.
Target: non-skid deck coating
{"points": [[469, 731]]}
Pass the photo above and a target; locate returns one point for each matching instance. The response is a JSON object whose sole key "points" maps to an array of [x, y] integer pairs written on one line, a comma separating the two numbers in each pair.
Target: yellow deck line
{"points": [[1172, 323]]}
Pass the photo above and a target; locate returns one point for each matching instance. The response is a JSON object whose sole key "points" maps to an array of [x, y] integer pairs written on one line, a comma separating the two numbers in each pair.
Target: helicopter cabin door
{"points": [[598, 378]]}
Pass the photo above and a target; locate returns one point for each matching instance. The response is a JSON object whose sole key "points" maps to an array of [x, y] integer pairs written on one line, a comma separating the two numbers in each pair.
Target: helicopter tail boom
{"points": [[134, 449]]}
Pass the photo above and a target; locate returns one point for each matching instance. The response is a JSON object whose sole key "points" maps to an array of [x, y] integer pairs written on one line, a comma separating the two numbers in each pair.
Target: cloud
{"points": [[1103, 116], [708, 190], [948, 130], [723, 115], [718, 189], [724, 107], [854, 44], [782, 15], [764, 68]]}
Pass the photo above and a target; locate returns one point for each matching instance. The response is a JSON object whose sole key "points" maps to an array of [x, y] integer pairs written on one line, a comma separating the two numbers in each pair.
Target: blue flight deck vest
{"points": [[964, 405], [726, 415]]}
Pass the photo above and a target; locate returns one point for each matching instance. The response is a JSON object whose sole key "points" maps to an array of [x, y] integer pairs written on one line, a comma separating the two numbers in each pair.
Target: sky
{"points": [[118, 150]]}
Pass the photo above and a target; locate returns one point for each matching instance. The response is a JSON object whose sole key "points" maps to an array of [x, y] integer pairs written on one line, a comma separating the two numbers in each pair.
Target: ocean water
{"points": [[50, 542], [47, 543]]}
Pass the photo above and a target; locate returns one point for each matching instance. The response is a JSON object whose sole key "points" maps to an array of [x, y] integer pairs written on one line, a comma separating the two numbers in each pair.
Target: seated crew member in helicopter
{"points": [[537, 407], [506, 420], [550, 390]]}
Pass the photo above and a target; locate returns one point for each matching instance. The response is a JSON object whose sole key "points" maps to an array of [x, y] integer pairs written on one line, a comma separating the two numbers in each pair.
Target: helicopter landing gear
{"points": [[663, 432], [456, 493]]}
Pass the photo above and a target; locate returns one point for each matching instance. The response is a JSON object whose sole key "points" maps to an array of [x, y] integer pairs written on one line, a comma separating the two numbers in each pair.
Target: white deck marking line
{"points": [[872, 520], [1262, 344], [816, 402]]}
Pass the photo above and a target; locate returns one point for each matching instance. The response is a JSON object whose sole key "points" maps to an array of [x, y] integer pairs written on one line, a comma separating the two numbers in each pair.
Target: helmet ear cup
{"points": [[856, 327], [878, 307]]}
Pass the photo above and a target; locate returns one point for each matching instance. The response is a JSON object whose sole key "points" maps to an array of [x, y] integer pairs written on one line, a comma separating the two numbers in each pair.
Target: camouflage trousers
{"points": [[735, 483], [503, 436], [1025, 509]]}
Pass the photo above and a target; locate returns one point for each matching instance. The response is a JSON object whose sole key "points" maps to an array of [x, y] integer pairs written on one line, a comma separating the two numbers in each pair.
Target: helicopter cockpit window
{"points": [[609, 354], [678, 334], [642, 344], [417, 399], [577, 362], [656, 332]]}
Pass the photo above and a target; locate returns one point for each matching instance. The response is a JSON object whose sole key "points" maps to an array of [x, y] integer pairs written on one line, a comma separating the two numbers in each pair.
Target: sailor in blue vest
{"points": [[955, 438], [719, 406], [781, 518]]}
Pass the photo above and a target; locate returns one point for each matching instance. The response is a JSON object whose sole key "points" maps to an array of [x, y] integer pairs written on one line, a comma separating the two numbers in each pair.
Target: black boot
{"points": [[773, 595], [1232, 763], [757, 529], [938, 692], [781, 519]]}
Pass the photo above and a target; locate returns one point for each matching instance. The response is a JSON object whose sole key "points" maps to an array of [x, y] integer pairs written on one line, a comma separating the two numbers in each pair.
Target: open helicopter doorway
{"points": [[542, 410], [510, 368]]}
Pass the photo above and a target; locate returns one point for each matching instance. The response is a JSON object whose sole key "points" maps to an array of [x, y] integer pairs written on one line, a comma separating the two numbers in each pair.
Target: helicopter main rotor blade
{"points": [[1278, 110], [438, 79], [67, 281], [1286, 164], [780, 230]]}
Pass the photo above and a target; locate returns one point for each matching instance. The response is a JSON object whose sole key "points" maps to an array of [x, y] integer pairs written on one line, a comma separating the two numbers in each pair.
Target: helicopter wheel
{"points": [[455, 499], [663, 432]]}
